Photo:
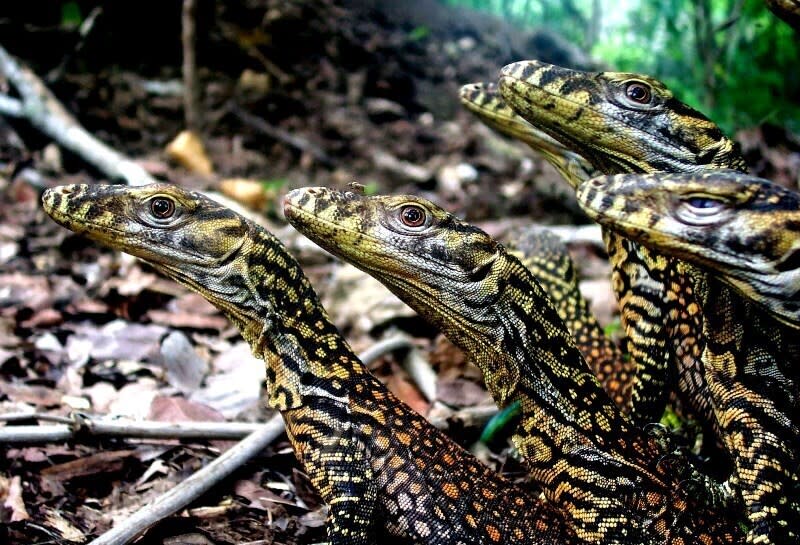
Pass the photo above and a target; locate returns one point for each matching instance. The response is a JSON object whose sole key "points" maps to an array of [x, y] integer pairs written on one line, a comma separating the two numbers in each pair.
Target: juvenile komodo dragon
{"points": [[622, 122]]}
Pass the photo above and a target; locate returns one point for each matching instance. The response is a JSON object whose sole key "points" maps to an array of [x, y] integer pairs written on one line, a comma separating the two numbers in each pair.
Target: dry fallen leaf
{"points": [[185, 368], [187, 149], [250, 193], [68, 532], [11, 493], [401, 386], [101, 462], [178, 409]]}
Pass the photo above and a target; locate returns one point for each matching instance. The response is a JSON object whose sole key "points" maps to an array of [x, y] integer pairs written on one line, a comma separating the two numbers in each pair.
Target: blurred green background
{"points": [[732, 59]]}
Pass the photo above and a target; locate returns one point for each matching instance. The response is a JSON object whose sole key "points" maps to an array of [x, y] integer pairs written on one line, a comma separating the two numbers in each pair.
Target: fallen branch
{"points": [[43, 110], [193, 487], [83, 425]]}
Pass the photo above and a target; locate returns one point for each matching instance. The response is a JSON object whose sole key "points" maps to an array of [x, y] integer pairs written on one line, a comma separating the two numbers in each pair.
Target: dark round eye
{"points": [[638, 92], [412, 216], [162, 208]]}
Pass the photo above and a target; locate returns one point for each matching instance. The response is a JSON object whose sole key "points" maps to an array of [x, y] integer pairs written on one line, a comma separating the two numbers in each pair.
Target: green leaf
{"points": [[500, 422], [274, 184], [71, 15], [418, 33]]}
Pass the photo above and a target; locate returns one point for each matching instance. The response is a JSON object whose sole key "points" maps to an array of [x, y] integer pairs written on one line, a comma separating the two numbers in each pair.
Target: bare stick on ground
{"points": [[70, 428], [190, 489], [43, 110]]}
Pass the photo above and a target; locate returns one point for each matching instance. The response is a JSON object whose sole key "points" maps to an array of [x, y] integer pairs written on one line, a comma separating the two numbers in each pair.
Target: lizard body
{"points": [[545, 254]]}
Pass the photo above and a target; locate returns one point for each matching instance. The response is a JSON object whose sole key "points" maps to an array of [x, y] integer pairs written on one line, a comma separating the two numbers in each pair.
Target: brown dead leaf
{"points": [[68, 532], [258, 496], [401, 386], [134, 399], [39, 454], [88, 306], [101, 462], [132, 283], [250, 193], [117, 340], [24, 291], [187, 149], [45, 317], [11, 494], [189, 310], [40, 396], [458, 392], [185, 368], [357, 301], [187, 320], [188, 539], [178, 409]]}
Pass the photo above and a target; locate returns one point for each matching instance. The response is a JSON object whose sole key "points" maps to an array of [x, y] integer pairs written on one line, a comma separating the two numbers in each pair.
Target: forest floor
{"points": [[367, 92]]}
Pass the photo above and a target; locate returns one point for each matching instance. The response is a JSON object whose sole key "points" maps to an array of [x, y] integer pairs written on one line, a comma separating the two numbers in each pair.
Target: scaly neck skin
{"points": [[305, 353]]}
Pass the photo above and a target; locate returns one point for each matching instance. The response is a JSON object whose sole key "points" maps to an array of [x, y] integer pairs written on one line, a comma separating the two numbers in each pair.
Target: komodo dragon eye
{"points": [[412, 215], [162, 207], [699, 210], [702, 202], [638, 92]]}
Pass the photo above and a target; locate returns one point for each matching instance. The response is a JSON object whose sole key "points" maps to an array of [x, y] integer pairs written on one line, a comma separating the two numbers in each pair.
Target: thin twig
{"points": [[191, 90], [83, 32], [422, 373], [121, 428], [279, 134], [196, 485], [43, 110], [385, 346], [16, 417], [10, 107]]}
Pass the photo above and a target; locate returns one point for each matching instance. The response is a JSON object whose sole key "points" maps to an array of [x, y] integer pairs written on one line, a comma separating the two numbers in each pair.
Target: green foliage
{"points": [[371, 188], [501, 422], [71, 15], [731, 59], [274, 185], [613, 328], [419, 33]]}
